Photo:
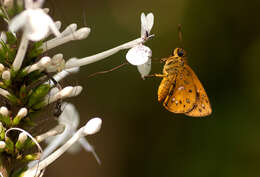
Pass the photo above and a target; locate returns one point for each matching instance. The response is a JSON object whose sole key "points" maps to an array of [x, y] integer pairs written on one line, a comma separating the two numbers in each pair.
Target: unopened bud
{"points": [[2, 67], [76, 90], [2, 144], [82, 33], [22, 137], [92, 126], [66, 92], [4, 111], [6, 75], [22, 112], [70, 29]]}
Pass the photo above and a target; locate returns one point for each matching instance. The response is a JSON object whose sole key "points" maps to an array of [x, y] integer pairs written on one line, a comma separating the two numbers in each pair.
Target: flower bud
{"points": [[92, 126]]}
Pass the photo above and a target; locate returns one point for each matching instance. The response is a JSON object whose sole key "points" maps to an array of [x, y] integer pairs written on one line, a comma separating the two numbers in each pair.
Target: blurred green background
{"points": [[139, 137]]}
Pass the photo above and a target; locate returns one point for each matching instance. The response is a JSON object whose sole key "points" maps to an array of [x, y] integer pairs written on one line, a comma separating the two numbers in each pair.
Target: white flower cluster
{"points": [[37, 25]]}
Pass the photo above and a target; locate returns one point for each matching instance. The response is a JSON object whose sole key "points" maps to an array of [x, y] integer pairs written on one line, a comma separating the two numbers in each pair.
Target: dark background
{"points": [[139, 137]]}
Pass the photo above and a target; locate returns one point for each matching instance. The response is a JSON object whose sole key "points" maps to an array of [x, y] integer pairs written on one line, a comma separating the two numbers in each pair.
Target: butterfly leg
{"points": [[163, 60], [156, 75], [168, 96]]}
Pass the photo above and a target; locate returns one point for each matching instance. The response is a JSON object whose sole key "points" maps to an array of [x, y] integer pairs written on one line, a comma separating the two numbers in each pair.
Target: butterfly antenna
{"points": [[84, 18], [113, 69], [180, 35]]}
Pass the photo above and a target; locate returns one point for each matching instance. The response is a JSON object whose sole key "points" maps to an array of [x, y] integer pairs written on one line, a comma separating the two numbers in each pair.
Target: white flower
{"points": [[140, 55], [92, 126], [136, 55], [35, 22], [69, 118]]}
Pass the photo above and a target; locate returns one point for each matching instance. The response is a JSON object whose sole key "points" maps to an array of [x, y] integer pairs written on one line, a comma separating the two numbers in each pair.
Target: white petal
{"points": [[145, 68], [138, 55], [39, 24], [149, 21], [32, 4], [54, 28], [143, 25], [146, 24], [18, 21], [69, 116], [88, 147], [75, 148]]}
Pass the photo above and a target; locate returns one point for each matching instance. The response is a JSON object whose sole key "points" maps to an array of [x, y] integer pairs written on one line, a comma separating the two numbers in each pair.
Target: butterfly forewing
{"points": [[202, 106], [182, 93]]}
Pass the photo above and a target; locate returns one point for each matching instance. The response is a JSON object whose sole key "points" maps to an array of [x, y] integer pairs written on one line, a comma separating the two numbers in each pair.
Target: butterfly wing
{"points": [[202, 106], [181, 95]]}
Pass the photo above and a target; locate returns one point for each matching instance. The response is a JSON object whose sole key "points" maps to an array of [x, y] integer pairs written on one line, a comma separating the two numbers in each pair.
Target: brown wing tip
{"points": [[206, 114]]}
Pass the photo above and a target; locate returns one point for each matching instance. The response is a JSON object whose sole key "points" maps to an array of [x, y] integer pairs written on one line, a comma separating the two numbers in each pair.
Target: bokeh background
{"points": [[139, 137]]}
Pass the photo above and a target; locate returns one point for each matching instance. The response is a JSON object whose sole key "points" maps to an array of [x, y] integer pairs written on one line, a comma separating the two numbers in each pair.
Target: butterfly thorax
{"points": [[175, 62]]}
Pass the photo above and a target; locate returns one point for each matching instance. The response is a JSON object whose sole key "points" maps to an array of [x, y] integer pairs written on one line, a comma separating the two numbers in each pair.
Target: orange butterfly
{"points": [[180, 89]]}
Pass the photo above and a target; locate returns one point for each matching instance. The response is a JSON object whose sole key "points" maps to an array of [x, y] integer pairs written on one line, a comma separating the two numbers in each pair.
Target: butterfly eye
{"points": [[180, 53]]}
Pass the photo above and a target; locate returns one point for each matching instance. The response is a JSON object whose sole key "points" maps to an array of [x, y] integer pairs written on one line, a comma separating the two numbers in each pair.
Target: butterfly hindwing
{"points": [[202, 105]]}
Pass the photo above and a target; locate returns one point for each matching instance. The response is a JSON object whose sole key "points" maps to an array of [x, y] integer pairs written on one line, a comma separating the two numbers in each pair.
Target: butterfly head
{"points": [[179, 52]]}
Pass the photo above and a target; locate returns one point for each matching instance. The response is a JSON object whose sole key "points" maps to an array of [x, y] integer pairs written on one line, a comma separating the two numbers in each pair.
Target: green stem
{"points": [[5, 166]]}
